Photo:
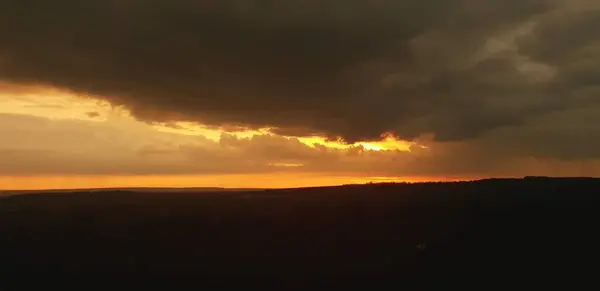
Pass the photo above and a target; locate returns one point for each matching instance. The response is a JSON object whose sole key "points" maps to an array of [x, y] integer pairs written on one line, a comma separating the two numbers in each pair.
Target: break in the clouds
{"points": [[41, 146], [510, 74]]}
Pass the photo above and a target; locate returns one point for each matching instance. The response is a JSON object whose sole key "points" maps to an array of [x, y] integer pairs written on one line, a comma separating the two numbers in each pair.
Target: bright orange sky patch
{"points": [[61, 105], [228, 181]]}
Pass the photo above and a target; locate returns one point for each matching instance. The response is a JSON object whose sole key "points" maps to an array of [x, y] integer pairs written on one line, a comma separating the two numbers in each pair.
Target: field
{"points": [[483, 234]]}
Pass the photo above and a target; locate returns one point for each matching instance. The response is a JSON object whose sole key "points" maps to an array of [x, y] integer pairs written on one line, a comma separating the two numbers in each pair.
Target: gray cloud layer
{"points": [[458, 69]]}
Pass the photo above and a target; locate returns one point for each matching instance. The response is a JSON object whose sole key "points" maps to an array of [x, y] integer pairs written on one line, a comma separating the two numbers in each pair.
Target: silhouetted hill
{"points": [[512, 233]]}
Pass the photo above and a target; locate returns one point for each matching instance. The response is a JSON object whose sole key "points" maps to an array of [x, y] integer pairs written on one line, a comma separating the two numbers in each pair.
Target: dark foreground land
{"points": [[520, 234]]}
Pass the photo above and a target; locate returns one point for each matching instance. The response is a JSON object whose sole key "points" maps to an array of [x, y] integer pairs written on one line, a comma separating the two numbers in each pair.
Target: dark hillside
{"points": [[483, 234]]}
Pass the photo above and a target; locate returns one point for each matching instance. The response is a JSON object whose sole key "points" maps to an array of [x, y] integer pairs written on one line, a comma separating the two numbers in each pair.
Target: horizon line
{"points": [[217, 188]]}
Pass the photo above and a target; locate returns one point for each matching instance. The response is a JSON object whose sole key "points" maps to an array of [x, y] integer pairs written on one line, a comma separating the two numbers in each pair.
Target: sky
{"points": [[267, 93]]}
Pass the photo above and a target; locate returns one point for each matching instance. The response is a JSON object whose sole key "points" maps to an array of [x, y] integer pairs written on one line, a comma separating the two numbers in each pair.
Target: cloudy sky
{"points": [[271, 93]]}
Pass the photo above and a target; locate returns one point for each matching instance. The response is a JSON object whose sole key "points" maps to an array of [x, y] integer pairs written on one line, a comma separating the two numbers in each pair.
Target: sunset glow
{"points": [[227, 181], [55, 104]]}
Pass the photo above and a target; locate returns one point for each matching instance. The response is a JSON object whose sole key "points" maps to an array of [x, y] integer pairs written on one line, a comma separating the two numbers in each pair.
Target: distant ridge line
{"points": [[221, 189], [130, 189], [561, 178]]}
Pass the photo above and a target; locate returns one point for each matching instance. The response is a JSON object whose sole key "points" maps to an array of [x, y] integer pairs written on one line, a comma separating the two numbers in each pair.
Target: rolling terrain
{"points": [[536, 232]]}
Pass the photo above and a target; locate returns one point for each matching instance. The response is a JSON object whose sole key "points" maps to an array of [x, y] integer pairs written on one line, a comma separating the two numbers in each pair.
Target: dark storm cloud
{"points": [[347, 68]]}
